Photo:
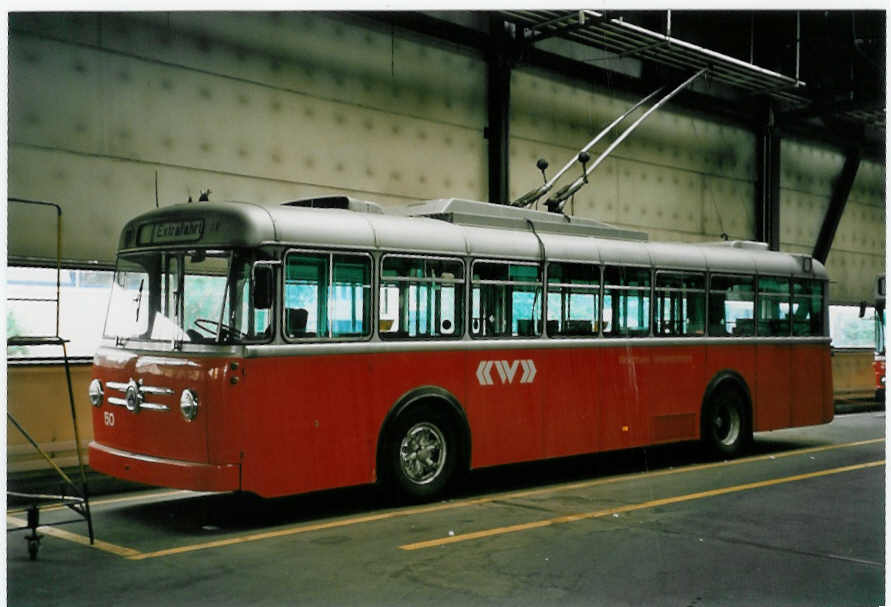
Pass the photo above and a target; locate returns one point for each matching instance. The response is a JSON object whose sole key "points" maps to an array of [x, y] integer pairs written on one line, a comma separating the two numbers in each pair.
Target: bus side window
{"points": [[351, 296], [807, 308], [773, 306], [421, 297], [680, 304], [306, 288], [506, 299], [731, 306], [626, 301], [573, 299]]}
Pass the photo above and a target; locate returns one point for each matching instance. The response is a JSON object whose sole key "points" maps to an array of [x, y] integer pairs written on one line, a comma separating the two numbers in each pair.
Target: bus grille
{"points": [[134, 395]]}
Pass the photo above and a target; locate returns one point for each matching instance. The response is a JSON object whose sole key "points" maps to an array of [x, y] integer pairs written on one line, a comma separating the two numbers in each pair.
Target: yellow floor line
{"points": [[253, 537], [76, 538], [631, 507]]}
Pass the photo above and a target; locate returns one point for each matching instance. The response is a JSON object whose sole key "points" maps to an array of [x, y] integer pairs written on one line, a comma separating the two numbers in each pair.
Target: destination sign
{"points": [[172, 231]]}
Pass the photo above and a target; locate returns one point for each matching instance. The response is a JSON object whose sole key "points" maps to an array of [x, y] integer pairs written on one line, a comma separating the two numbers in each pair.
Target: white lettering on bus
{"points": [[507, 371]]}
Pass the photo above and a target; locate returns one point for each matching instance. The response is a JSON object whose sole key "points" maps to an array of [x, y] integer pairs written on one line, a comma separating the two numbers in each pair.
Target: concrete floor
{"points": [[799, 522]]}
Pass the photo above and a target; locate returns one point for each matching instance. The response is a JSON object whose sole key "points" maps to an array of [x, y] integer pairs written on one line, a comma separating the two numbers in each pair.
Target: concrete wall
{"points": [[858, 251], [259, 107]]}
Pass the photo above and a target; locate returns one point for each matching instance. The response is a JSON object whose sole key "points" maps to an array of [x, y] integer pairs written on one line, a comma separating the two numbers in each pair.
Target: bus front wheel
{"points": [[725, 425], [423, 452]]}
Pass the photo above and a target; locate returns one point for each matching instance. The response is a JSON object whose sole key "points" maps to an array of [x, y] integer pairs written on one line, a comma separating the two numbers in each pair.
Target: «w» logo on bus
{"points": [[507, 371]]}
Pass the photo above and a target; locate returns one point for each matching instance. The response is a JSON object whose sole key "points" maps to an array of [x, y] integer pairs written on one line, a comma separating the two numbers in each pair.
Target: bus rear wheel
{"points": [[423, 453], [725, 425]]}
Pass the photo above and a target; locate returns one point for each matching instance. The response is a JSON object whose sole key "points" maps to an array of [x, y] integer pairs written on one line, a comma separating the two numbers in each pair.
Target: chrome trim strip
{"points": [[120, 402], [122, 387], [108, 348], [154, 407], [155, 390], [150, 458], [543, 343]]}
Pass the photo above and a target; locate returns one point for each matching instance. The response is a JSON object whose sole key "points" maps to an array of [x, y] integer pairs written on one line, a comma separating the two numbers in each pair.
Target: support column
{"points": [[767, 190], [498, 68], [837, 202]]}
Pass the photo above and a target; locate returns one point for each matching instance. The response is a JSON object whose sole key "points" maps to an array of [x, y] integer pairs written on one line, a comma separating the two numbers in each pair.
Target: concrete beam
{"points": [[767, 184], [499, 63], [837, 204]]}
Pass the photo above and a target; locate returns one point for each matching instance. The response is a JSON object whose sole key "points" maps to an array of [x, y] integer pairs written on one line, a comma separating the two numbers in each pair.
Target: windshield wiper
{"points": [[138, 298]]}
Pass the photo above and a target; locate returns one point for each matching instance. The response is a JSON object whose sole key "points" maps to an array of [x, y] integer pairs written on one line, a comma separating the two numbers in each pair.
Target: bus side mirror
{"points": [[264, 281]]}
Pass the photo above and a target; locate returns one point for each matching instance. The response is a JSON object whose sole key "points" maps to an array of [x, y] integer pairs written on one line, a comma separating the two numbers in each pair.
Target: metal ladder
{"points": [[79, 500]]}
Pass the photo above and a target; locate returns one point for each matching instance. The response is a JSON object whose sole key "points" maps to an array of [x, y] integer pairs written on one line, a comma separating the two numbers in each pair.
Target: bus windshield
{"points": [[188, 296]]}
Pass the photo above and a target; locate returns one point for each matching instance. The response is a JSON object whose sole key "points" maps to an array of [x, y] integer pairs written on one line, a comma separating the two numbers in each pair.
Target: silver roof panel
{"points": [[323, 227], [676, 256], [619, 252], [510, 244], [246, 224], [416, 235]]}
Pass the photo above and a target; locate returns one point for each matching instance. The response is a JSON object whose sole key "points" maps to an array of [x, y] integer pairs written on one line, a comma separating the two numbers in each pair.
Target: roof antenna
{"points": [[156, 189]]}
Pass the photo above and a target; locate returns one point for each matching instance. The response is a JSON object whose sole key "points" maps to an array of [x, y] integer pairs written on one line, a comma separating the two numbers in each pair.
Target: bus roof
{"points": [[449, 227]]}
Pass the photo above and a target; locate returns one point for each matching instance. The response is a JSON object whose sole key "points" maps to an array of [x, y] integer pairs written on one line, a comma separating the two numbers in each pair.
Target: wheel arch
{"points": [[434, 396], [728, 379]]}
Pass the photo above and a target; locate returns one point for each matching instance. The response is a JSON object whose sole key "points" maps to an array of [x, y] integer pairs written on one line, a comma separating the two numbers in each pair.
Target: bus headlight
{"points": [[96, 392], [188, 404]]}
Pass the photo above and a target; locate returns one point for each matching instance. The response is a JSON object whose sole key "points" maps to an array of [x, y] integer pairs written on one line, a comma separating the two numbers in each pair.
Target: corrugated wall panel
{"points": [[809, 173], [97, 108]]}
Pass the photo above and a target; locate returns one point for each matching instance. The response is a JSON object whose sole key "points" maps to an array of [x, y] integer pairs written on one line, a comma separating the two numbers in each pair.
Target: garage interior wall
{"points": [[857, 256], [253, 106], [270, 107]]}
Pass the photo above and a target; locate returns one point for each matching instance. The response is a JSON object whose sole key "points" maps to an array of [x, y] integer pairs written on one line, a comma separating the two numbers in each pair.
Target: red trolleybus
{"points": [[325, 343]]}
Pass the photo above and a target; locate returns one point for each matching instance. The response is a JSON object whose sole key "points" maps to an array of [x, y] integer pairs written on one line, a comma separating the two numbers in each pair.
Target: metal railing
{"points": [[79, 502]]}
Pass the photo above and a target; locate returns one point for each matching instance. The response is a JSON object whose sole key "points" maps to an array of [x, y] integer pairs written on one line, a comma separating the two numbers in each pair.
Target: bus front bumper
{"points": [[176, 474]]}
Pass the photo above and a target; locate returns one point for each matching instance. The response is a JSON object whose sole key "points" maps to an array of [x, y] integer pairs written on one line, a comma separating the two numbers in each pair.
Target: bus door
{"points": [[623, 370], [504, 393], [573, 388]]}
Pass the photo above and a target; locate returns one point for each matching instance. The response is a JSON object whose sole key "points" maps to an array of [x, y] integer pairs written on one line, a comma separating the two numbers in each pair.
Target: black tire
{"points": [[422, 452], [726, 430]]}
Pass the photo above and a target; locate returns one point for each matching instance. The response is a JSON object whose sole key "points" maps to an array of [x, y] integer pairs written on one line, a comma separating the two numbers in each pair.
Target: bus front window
{"points": [[184, 297]]}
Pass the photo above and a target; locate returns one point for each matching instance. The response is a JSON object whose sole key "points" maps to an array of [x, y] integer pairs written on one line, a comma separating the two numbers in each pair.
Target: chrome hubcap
{"points": [[422, 453], [727, 425]]}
